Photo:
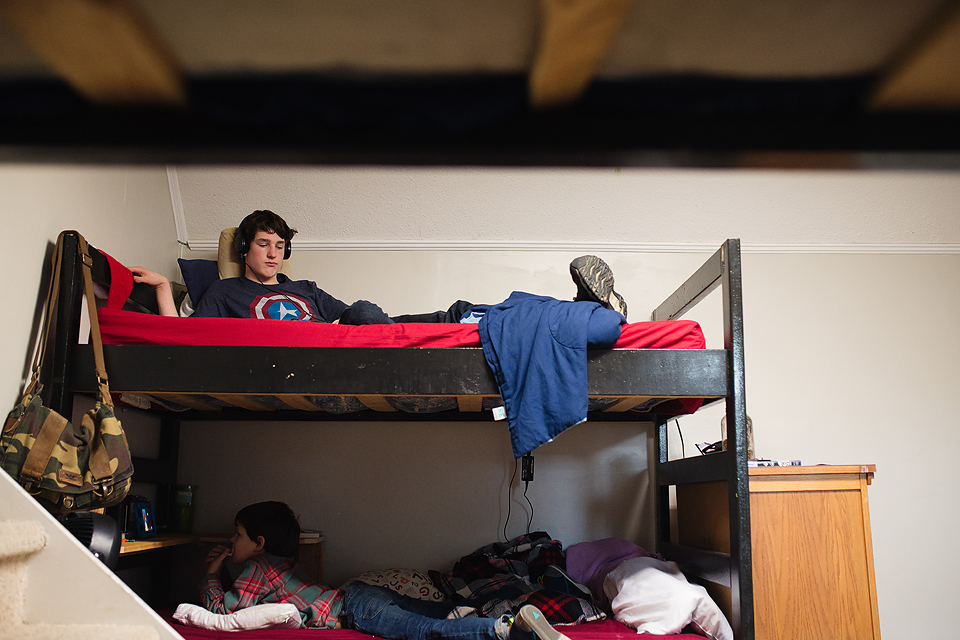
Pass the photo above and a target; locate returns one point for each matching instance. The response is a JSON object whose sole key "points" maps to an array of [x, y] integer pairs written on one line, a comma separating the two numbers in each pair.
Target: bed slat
{"points": [[189, 401], [241, 401], [625, 404], [377, 403], [298, 401], [470, 404]]}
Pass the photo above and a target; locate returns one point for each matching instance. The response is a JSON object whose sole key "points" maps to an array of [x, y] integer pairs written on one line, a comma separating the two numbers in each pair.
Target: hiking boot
{"points": [[594, 280], [530, 619]]}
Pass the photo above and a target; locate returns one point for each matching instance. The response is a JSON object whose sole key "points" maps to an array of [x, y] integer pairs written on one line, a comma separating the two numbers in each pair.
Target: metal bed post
{"points": [[67, 323], [741, 571], [721, 269]]}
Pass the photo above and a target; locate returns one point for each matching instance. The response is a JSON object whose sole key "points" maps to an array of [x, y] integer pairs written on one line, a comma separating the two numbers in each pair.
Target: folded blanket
{"points": [[501, 577]]}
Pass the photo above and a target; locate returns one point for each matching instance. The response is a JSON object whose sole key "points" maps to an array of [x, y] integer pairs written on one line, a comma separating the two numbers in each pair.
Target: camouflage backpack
{"points": [[68, 467]]}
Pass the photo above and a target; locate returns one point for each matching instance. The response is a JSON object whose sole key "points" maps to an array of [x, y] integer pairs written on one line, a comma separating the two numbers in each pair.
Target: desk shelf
{"points": [[310, 560], [164, 540]]}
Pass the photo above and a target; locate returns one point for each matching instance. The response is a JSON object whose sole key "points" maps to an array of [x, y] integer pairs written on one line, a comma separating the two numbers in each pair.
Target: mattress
{"points": [[602, 630], [126, 327]]}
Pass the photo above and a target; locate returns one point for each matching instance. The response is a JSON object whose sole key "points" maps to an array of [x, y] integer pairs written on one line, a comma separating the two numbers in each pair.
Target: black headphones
{"points": [[242, 246]]}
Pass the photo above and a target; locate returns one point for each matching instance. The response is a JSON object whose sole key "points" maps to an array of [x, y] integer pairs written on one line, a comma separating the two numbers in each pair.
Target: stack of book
{"points": [[773, 463]]}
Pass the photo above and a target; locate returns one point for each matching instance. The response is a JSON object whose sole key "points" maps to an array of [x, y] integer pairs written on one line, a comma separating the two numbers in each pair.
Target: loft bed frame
{"points": [[291, 372]]}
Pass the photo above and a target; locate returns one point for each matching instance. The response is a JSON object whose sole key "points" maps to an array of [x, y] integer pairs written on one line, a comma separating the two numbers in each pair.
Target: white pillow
{"points": [[653, 596], [261, 616], [186, 307]]}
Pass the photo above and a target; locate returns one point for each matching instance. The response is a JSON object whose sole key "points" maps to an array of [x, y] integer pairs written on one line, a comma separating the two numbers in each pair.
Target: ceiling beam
{"points": [[928, 77], [105, 49], [575, 36]]}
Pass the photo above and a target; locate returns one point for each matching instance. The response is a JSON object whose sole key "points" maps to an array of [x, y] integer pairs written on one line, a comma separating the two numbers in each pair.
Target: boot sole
{"points": [[594, 277], [530, 619]]}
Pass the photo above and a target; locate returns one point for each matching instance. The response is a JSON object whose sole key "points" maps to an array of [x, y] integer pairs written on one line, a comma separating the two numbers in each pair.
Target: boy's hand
{"points": [[148, 277], [216, 557], [161, 287]]}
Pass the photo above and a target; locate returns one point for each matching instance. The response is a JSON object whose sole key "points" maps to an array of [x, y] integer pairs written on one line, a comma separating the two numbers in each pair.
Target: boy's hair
{"points": [[265, 220], [276, 522]]}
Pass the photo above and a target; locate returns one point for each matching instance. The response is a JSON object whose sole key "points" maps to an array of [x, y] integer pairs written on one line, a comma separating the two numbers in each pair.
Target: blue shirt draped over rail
{"points": [[537, 348]]}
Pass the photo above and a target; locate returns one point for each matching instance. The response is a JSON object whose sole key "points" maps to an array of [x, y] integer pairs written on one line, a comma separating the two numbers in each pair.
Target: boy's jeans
{"points": [[385, 613]]}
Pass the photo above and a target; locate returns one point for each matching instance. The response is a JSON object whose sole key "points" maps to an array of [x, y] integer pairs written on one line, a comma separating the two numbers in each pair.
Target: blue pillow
{"points": [[198, 275]]}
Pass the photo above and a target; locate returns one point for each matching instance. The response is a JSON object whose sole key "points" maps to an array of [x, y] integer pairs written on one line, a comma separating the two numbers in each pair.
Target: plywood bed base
{"points": [[242, 378]]}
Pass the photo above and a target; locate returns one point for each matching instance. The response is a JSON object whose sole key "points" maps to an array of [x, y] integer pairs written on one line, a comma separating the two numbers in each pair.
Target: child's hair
{"points": [[276, 522], [265, 220]]}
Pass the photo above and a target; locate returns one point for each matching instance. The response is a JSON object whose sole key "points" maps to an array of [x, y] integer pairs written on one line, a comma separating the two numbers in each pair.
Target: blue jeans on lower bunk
{"points": [[385, 613]]}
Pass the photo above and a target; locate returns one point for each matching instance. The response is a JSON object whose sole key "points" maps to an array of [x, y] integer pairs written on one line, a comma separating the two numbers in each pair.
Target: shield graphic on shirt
{"points": [[280, 306]]}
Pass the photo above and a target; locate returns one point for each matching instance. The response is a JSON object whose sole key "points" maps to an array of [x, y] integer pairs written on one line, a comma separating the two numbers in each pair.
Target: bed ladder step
{"points": [[709, 468], [710, 566]]}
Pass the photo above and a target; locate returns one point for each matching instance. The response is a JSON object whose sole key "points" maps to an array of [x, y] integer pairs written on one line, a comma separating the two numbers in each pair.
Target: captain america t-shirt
{"points": [[287, 300], [280, 306]]}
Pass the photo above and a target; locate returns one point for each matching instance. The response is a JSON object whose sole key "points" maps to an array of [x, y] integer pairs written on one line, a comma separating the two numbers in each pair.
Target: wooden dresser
{"points": [[812, 551]]}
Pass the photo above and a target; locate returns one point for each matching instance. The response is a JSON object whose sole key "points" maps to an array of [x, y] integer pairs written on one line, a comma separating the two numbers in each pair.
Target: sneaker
{"points": [[556, 579], [530, 619], [594, 280]]}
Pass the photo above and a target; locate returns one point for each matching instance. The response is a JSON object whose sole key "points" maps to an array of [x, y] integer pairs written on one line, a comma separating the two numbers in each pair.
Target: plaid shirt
{"points": [[267, 578]]}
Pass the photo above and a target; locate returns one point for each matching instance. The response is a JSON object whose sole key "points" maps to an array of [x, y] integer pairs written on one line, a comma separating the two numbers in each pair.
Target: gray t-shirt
{"points": [[287, 300]]}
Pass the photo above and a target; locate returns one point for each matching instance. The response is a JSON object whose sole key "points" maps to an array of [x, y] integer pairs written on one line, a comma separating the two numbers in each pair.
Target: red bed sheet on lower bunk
{"points": [[601, 630]]}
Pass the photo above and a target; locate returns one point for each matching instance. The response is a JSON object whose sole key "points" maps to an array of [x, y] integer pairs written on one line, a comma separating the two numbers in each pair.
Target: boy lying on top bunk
{"points": [[530, 342], [263, 243]]}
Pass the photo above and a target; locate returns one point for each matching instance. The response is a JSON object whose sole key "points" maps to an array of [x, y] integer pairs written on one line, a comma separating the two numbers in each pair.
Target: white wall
{"points": [[127, 212], [418, 494], [616, 209], [854, 359]]}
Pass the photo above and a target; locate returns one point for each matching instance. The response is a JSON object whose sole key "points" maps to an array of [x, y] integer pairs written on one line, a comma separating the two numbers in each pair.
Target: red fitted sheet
{"points": [[125, 327], [602, 630]]}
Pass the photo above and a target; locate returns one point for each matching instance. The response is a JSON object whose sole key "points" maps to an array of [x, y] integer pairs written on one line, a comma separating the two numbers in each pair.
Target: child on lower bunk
{"points": [[266, 540]]}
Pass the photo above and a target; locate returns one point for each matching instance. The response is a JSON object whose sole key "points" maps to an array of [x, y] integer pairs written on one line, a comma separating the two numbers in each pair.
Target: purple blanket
{"points": [[589, 563]]}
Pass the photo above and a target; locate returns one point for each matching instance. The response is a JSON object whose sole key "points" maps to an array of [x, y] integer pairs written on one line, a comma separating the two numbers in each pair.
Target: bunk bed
{"points": [[622, 380]]}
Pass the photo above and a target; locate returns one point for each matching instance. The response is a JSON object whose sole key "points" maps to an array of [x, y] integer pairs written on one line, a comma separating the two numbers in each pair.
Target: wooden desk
{"points": [[310, 553], [813, 571]]}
